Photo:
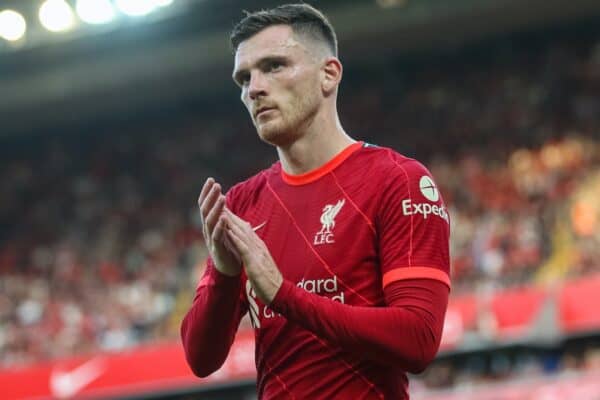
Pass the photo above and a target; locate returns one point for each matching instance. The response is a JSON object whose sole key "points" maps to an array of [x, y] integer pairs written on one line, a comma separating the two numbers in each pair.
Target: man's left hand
{"points": [[261, 270]]}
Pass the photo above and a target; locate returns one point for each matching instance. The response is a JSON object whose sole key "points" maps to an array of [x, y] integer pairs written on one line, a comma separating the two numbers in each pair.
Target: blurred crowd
{"points": [[522, 364], [513, 143], [101, 248], [518, 222]]}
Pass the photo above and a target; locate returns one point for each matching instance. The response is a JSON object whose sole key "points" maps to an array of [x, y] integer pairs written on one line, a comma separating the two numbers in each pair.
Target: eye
{"points": [[244, 80], [275, 66]]}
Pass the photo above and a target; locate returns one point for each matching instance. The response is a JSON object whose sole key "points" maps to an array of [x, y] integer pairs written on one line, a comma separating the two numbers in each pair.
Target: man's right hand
{"points": [[212, 203]]}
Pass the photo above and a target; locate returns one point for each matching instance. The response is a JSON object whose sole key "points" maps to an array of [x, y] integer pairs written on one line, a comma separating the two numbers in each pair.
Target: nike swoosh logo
{"points": [[65, 384], [257, 227]]}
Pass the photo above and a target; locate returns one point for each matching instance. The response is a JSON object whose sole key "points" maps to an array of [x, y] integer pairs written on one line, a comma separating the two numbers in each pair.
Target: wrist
{"points": [[220, 280], [228, 272], [276, 288], [282, 296]]}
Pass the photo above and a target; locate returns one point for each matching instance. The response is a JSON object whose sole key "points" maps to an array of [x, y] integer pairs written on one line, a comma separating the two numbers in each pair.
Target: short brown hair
{"points": [[302, 18]]}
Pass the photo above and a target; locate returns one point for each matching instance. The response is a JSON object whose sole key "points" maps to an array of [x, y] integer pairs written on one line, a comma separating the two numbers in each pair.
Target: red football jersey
{"points": [[365, 219], [346, 230]]}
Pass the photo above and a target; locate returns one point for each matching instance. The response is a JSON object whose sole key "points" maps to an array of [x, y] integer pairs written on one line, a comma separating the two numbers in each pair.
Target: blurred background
{"points": [[114, 112]]}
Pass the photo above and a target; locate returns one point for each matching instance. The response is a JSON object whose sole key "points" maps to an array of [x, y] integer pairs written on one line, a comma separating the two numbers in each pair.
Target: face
{"points": [[280, 81]]}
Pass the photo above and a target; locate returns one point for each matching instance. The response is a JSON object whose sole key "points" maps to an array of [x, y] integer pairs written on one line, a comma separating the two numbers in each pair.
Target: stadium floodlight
{"points": [[95, 11], [136, 8], [12, 25], [163, 3], [56, 15]]}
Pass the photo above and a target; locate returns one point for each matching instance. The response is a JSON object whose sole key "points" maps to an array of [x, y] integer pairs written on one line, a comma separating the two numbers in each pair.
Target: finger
{"points": [[205, 189], [239, 228], [234, 217], [238, 244], [237, 221], [231, 248], [205, 208], [214, 214], [217, 234], [242, 229], [228, 245], [209, 201]]}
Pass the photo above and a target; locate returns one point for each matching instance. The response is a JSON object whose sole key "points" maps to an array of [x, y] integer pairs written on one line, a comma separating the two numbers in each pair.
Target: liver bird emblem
{"points": [[328, 216]]}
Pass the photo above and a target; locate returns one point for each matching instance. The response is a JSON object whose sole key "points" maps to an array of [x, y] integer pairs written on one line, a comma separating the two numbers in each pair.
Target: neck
{"points": [[319, 143]]}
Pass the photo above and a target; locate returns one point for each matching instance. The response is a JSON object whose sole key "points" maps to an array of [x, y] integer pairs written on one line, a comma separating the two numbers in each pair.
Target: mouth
{"points": [[262, 110]]}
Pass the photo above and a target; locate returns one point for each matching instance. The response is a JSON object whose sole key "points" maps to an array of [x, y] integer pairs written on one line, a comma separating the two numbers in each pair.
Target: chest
{"points": [[321, 239]]}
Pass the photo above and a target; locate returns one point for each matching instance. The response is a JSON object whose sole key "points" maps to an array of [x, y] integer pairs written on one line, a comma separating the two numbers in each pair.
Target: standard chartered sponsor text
{"points": [[327, 287]]}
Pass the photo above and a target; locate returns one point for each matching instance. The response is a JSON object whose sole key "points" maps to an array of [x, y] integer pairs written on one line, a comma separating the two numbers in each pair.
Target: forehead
{"points": [[277, 40]]}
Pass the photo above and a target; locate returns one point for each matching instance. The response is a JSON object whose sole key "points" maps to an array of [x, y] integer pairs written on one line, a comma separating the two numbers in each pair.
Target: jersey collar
{"points": [[323, 170]]}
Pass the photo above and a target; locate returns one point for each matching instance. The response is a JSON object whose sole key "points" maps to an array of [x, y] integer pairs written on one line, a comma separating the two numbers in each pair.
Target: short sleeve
{"points": [[413, 226]]}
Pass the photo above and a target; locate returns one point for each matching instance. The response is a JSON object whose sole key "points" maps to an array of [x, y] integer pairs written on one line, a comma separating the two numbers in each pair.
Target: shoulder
{"points": [[398, 178], [390, 165], [407, 187], [244, 193]]}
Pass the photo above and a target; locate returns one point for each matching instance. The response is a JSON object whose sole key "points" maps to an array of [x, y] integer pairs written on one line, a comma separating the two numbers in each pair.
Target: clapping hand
{"points": [[212, 205], [260, 267]]}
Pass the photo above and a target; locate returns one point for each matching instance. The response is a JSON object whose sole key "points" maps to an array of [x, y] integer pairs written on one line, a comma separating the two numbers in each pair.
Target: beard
{"points": [[287, 124], [276, 131]]}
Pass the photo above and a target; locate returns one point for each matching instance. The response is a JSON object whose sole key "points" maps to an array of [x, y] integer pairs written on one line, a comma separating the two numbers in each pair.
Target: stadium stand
{"points": [[100, 248]]}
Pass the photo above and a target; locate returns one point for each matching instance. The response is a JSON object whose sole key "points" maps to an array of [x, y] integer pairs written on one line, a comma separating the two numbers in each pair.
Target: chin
{"points": [[273, 133]]}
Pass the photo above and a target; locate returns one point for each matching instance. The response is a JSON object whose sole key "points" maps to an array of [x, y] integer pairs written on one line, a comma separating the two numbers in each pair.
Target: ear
{"points": [[332, 75]]}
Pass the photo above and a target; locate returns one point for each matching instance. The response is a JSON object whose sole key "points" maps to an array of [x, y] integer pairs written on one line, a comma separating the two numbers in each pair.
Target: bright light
{"points": [[95, 11], [136, 8], [162, 3], [56, 15], [12, 25]]}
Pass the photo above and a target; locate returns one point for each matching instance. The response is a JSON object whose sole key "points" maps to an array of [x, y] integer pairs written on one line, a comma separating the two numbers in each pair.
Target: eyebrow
{"points": [[237, 75]]}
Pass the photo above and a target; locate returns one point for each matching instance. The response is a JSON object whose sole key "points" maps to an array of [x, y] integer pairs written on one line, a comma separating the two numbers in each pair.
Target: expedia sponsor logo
{"points": [[425, 209], [428, 188]]}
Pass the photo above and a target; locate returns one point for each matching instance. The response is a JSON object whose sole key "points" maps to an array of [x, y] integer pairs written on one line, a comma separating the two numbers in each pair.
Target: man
{"points": [[339, 251]]}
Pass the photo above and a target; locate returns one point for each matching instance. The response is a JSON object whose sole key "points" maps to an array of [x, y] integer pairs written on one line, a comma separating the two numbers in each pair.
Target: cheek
{"points": [[299, 83], [304, 91], [308, 94]]}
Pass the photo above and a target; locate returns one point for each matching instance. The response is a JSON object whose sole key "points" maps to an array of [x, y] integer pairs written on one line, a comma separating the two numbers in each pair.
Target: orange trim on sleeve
{"points": [[324, 169], [415, 273]]}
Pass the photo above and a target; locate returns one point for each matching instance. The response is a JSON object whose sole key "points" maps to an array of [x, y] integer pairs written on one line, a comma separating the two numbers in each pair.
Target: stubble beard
{"points": [[272, 131], [288, 127]]}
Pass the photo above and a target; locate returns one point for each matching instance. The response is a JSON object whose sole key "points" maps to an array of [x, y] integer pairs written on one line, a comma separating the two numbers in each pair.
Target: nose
{"points": [[257, 86]]}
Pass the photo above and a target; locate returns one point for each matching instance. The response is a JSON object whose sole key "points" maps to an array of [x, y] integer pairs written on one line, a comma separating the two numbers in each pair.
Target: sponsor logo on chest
{"points": [[328, 287], [325, 235]]}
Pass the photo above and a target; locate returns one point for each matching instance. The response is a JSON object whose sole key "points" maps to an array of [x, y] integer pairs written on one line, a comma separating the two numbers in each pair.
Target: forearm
{"points": [[209, 327], [406, 333]]}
